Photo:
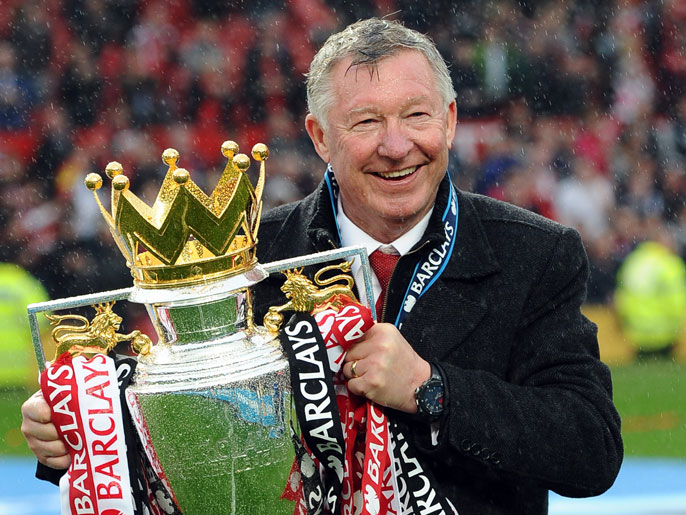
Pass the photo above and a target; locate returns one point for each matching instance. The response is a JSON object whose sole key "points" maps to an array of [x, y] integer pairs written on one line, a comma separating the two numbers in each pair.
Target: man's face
{"points": [[387, 139]]}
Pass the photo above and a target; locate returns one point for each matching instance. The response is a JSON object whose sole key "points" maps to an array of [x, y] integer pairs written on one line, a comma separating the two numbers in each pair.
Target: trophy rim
{"points": [[212, 288]]}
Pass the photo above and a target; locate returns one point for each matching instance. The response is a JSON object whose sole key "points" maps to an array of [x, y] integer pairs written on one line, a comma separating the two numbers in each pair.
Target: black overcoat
{"points": [[530, 403]]}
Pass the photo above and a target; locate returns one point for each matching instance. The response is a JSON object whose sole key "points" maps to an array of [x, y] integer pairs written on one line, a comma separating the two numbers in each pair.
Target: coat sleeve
{"points": [[49, 474], [551, 420]]}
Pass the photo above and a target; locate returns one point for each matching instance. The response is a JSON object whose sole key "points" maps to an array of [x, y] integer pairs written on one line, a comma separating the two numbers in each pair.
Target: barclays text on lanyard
{"points": [[431, 266], [416, 488]]}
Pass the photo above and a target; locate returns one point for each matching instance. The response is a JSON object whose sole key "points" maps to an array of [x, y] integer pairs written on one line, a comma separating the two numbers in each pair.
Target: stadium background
{"points": [[574, 109]]}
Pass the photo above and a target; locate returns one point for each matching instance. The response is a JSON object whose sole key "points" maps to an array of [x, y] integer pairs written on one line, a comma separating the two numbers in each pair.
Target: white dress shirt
{"points": [[351, 234]]}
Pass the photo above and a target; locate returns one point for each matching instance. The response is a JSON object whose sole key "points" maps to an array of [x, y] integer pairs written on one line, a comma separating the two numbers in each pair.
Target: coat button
{"points": [[466, 445], [495, 458], [476, 449], [485, 454]]}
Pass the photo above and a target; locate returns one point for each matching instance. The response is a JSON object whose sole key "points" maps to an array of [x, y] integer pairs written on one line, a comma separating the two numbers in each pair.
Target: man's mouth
{"points": [[397, 174]]}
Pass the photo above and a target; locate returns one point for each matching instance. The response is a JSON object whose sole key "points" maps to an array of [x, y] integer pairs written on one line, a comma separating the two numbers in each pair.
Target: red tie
{"points": [[383, 264]]}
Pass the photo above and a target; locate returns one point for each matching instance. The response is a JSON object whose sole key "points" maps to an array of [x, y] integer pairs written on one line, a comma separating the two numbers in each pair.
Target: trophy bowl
{"points": [[213, 399]]}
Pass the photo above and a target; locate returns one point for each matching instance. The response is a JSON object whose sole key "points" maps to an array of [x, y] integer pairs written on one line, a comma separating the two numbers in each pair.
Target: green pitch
{"points": [[11, 440], [651, 398]]}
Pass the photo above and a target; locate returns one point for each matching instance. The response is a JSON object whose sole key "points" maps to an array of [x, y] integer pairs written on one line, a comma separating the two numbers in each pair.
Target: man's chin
{"points": [[400, 216]]}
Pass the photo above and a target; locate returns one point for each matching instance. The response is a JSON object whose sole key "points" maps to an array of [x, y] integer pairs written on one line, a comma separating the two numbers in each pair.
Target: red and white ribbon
{"points": [[369, 474], [84, 397]]}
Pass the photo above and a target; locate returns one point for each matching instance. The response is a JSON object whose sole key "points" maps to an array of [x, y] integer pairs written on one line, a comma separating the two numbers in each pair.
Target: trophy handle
{"points": [[346, 253], [68, 303]]}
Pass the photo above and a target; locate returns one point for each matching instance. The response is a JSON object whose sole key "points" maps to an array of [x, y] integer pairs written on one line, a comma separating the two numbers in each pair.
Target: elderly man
{"points": [[481, 352]]}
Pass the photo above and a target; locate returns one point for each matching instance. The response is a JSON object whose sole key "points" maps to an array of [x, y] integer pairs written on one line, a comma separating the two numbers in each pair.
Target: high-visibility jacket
{"points": [[650, 298], [18, 288]]}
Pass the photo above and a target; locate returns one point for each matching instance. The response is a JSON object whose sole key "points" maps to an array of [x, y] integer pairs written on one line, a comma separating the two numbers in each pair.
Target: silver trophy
{"points": [[211, 399]]}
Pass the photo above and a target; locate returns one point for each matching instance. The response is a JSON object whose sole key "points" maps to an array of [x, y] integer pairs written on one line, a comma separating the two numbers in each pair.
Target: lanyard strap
{"points": [[431, 266]]}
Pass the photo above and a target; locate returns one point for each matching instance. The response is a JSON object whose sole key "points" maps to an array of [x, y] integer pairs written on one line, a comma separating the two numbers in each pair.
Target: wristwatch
{"points": [[430, 395]]}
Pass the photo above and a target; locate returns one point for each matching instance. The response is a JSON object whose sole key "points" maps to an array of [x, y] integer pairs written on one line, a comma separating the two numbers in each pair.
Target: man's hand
{"points": [[388, 370], [41, 434]]}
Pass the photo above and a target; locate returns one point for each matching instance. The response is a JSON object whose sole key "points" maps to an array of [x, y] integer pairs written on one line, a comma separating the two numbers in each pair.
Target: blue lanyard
{"points": [[434, 262]]}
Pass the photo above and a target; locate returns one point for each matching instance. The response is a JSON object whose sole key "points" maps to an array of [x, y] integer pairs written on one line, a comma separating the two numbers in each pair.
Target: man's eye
{"points": [[364, 123], [418, 114]]}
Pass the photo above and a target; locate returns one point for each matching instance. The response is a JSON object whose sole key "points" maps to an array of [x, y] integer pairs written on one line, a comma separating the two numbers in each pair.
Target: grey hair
{"points": [[367, 42]]}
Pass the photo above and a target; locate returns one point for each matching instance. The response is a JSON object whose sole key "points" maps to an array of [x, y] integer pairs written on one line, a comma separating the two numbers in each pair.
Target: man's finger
{"points": [[36, 408], [51, 449], [39, 431], [57, 462], [353, 369]]}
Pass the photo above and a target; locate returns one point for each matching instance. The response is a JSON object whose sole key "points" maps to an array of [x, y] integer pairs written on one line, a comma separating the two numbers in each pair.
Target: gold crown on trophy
{"points": [[187, 236]]}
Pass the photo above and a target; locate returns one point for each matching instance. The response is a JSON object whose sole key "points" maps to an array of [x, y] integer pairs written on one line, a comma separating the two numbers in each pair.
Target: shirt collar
{"points": [[353, 235]]}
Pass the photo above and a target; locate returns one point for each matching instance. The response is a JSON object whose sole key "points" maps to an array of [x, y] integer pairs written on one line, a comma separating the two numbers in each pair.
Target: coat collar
{"points": [[322, 228], [430, 327]]}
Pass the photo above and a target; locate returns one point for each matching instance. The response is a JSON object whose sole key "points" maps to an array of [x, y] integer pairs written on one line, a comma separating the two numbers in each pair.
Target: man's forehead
{"points": [[394, 83], [406, 103]]}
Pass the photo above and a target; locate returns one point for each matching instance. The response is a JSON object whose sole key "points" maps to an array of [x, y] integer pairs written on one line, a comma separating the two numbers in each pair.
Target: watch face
{"points": [[431, 397]]}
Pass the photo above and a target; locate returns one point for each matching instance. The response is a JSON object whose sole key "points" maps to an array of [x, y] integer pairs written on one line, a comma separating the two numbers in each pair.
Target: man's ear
{"points": [[318, 136], [451, 122]]}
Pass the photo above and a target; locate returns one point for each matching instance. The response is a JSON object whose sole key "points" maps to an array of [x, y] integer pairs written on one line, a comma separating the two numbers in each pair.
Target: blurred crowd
{"points": [[574, 109]]}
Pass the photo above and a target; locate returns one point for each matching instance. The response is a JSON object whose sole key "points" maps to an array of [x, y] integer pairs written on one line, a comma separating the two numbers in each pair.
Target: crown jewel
{"points": [[187, 236]]}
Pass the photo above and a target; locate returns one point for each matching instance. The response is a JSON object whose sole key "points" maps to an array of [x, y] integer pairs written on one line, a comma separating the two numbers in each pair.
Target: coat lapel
{"points": [[453, 305]]}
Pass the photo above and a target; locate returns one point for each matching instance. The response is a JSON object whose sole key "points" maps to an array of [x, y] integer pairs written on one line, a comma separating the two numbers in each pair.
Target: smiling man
{"points": [[482, 362], [482, 358]]}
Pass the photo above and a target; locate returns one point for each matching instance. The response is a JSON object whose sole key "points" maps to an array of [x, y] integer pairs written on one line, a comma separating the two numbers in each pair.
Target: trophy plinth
{"points": [[214, 399]]}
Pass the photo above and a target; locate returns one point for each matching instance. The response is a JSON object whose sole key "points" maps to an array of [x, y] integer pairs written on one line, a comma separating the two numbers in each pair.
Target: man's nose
{"points": [[395, 142]]}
